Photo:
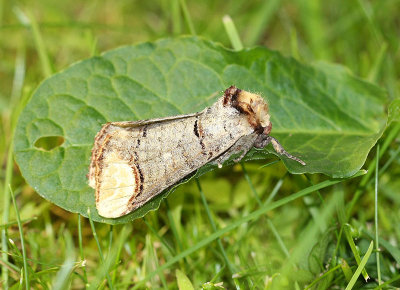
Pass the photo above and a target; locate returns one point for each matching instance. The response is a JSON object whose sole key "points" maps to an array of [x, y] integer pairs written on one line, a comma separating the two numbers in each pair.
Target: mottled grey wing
{"points": [[130, 159], [139, 123]]}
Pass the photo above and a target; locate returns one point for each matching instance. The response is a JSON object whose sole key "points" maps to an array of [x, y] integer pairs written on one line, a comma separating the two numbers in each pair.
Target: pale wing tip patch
{"points": [[118, 184], [111, 208]]}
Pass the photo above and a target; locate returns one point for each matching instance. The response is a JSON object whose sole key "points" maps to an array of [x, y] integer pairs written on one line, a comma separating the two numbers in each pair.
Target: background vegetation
{"points": [[224, 227]]}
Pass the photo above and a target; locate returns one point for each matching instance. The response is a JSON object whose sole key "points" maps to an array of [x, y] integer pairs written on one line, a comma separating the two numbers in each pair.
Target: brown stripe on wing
{"points": [[97, 141], [139, 178]]}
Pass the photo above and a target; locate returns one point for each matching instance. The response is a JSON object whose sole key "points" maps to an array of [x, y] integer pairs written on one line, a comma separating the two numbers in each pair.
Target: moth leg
{"points": [[242, 145], [264, 140]]}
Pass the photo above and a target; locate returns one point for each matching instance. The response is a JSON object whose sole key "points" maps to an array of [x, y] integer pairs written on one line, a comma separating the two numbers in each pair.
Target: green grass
{"points": [[248, 226]]}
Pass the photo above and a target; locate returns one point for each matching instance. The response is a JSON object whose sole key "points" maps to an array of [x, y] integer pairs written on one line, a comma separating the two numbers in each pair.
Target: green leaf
{"points": [[346, 269], [394, 111], [183, 281], [316, 257], [320, 113]]}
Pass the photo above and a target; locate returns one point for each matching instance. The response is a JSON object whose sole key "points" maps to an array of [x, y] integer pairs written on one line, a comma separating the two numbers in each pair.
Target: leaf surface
{"points": [[320, 113]]}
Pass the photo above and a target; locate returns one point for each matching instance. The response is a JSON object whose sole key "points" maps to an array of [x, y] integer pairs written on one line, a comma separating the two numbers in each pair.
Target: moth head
{"points": [[253, 105]]}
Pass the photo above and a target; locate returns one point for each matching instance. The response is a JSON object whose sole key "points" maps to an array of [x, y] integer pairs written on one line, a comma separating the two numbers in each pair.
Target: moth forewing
{"points": [[108, 128], [132, 162]]}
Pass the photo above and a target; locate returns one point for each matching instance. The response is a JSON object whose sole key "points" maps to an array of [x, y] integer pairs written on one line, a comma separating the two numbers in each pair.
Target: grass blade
{"points": [[160, 238], [253, 190], [360, 267], [62, 279], [188, 18], [233, 35], [275, 190], [259, 202], [346, 270], [100, 251], [347, 231], [176, 17], [259, 21], [278, 238], [173, 226], [393, 133], [392, 250], [111, 259], [214, 228], [388, 282], [322, 277], [29, 19], [81, 249], [378, 266], [21, 234], [374, 72], [309, 236], [6, 213]]}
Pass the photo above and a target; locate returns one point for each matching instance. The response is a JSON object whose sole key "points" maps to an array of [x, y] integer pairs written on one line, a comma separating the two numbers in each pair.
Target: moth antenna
{"points": [[264, 140], [288, 155], [279, 149]]}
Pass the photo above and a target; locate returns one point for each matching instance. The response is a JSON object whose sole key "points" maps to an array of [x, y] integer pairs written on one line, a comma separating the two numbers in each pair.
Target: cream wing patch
{"points": [[117, 183]]}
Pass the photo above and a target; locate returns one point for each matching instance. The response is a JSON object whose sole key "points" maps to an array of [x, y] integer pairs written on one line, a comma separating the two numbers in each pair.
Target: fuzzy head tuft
{"points": [[253, 105]]}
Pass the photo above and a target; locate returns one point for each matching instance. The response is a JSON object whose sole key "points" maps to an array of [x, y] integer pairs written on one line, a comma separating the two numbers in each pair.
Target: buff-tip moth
{"points": [[134, 161]]}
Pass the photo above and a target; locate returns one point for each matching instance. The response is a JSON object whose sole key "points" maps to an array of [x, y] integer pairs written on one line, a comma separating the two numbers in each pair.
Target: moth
{"points": [[134, 161]]}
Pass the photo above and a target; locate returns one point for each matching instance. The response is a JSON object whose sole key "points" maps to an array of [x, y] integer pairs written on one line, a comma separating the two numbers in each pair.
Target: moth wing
{"points": [[113, 172], [140, 123], [109, 127]]}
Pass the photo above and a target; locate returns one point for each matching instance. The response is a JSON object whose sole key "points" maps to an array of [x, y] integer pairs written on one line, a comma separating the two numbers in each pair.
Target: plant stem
{"points": [[378, 266]]}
